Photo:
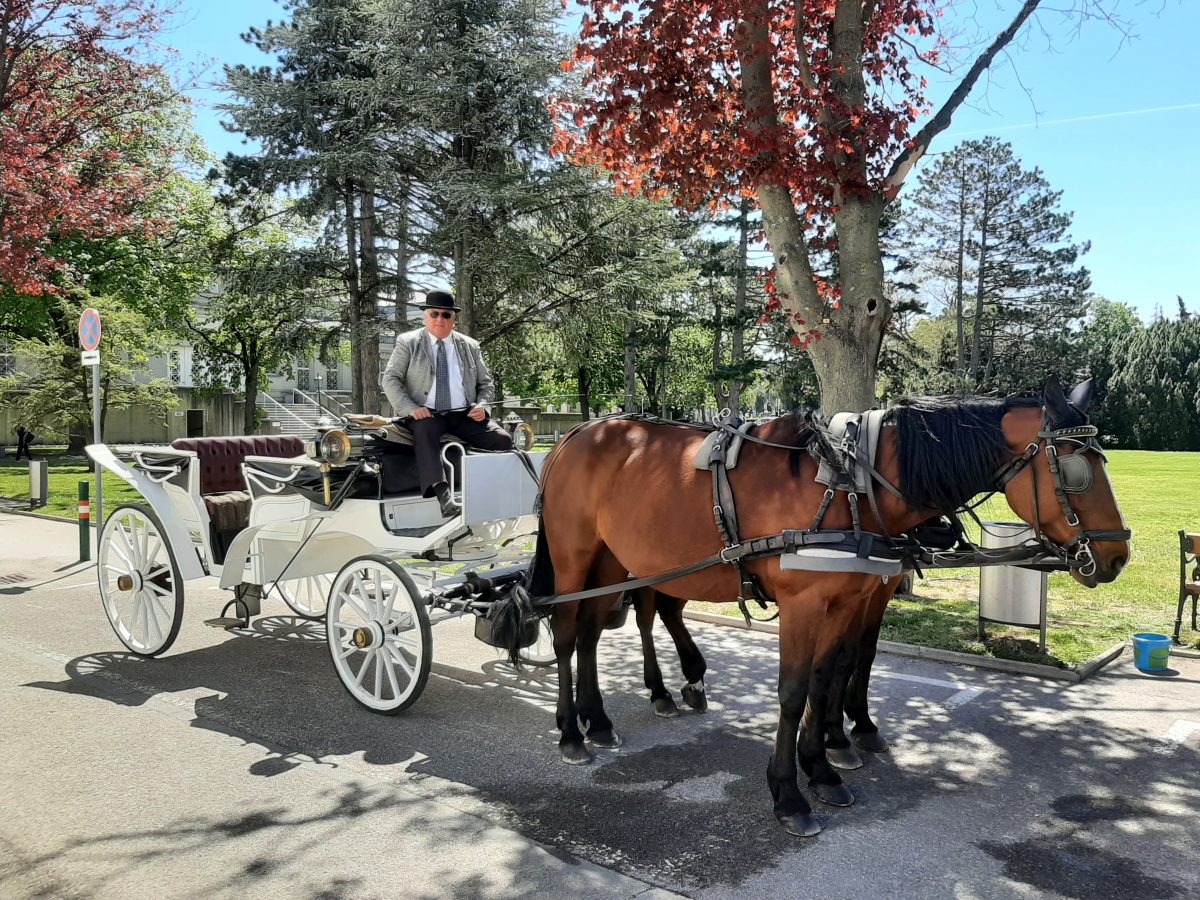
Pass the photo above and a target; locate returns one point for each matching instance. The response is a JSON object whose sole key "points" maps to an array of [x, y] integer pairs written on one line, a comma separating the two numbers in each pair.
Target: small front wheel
{"points": [[140, 584], [379, 635]]}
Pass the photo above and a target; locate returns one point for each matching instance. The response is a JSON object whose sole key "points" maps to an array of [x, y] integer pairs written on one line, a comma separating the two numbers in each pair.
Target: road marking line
{"points": [[919, 679], [1177, 734], [964, 696]]}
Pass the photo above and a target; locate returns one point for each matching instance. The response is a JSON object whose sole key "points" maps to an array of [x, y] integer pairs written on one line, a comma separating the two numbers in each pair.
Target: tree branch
{"points": [[941, 121]]}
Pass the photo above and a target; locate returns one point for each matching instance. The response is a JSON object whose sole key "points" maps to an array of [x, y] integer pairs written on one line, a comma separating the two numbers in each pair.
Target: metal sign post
{"points": [[89, 340]]}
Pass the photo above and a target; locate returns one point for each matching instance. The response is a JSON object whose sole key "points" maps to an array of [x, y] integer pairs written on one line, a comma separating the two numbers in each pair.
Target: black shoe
{"points": [[450, 508]]}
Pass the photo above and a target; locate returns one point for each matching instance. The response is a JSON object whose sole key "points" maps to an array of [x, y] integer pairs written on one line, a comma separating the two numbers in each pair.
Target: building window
{"points": [[8, 362], [174, 365], [331, 378], [302, 379]]}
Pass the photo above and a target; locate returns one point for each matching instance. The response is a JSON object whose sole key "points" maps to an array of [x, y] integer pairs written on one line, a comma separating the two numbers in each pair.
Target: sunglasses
{"points": [[440, 315]]}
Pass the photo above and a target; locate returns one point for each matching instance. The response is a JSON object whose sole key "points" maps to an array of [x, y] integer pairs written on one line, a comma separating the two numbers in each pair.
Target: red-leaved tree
{"points": [[71, 92], [808, 106]]}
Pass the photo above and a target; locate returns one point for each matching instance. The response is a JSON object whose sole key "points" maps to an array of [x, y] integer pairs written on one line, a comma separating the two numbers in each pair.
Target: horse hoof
{"points": [[799, 824], [871, 741], [695, 698], [833, 794], [575, 754], [605, 740], [665, 707], [843, 757]]}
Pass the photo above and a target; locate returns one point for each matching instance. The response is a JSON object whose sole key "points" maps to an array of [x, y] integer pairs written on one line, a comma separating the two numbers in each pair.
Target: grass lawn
{"points": [[1159, 494], [63, 483]]}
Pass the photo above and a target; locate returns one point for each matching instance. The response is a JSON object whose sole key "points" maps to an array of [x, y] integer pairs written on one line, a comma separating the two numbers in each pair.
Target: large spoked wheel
{"points": [[140, 584], [307, 597], [541, 652], [379, 635]]}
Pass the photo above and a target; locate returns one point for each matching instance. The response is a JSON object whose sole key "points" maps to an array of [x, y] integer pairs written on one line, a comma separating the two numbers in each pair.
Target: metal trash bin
{"points": [[39, 494], [1011, 595]]}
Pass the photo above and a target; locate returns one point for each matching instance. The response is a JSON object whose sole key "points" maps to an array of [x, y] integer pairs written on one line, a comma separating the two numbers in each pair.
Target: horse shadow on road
{"points": [[1042, 794]]}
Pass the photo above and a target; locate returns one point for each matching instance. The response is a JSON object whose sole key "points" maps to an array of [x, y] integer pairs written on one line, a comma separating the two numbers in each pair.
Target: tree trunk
{"points": [[737, 348], [464, 286], [977, 336], [368, 319], [353, 288], [631, 404], [960, 334], [250, 388], [584, 383], [720, 386], [846, 360], [403, 288]]}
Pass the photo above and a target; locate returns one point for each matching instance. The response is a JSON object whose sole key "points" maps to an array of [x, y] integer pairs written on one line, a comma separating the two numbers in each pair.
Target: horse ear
{"points": [[1081, 396], [1056, 403]]}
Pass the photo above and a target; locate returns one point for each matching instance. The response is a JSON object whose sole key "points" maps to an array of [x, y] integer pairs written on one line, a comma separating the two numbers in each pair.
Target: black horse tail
{"points": [[514, 609]]}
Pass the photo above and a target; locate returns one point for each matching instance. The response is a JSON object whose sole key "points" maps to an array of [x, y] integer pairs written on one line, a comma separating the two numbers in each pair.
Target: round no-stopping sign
{"points": [[89, 329]]}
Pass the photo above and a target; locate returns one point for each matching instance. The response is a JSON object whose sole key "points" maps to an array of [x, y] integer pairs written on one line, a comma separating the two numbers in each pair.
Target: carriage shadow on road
{"points": [[684, 804]]}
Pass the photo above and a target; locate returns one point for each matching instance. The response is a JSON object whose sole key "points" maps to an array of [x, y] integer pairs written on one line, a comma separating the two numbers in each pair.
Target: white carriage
{"points": [[335, 527]]}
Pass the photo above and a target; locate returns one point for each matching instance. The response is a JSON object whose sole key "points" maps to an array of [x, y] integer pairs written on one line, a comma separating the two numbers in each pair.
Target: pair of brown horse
{"points": [[621, 498]]}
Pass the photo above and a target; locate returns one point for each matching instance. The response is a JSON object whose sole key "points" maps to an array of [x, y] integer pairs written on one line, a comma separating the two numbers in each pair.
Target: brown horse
{"points": [[621, 498]]}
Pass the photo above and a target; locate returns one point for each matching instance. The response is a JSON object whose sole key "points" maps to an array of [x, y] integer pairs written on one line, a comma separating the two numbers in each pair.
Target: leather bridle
{"points": [[1068, 478]]}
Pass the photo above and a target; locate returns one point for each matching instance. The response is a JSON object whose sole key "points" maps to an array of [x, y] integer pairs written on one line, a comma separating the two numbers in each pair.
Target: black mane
{"points": [[950, 448]]}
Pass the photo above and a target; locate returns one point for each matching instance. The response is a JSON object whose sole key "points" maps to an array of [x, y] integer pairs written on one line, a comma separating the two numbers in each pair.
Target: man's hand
{"points": [[477, 412], [421, 412]]}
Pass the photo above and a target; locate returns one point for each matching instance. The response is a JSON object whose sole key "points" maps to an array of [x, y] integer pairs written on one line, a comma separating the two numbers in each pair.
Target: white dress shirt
{"points": [[458, 399]]}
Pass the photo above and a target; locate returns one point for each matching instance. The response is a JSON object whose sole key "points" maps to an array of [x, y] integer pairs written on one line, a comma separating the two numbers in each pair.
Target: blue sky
{"points": [[1113, 123]]}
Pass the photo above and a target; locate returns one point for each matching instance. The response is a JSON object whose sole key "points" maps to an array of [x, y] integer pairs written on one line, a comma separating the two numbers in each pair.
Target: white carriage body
{"points": [[497, 497]]}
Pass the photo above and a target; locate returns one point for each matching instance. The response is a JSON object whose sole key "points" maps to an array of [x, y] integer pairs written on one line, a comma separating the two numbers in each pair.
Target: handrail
{"points": [[308, 398], [271, 399]]}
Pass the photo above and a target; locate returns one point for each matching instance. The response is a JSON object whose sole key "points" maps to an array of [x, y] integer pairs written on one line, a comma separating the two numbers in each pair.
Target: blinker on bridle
{"points": [[1071, 474]]}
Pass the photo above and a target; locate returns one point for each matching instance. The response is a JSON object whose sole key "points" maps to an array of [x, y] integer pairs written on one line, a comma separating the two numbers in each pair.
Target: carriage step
{"points": [[226, 622]]}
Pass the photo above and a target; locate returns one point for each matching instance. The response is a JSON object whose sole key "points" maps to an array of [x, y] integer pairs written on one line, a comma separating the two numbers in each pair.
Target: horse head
{"points": [[1062, 488]]}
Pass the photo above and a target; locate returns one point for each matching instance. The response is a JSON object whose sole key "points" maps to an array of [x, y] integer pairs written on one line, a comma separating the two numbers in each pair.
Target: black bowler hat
{"points": [[439, 300]]}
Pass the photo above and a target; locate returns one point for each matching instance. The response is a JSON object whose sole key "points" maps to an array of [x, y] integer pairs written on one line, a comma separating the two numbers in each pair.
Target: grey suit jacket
{"points": [[410, 372]]}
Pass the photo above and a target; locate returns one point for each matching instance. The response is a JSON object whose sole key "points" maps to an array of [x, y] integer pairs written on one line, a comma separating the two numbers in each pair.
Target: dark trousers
{"points": [[427, 441], [23, 448]]}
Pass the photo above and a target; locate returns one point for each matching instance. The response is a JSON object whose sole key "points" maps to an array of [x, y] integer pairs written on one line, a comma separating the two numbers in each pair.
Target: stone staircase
{"points": [[294, 418]]}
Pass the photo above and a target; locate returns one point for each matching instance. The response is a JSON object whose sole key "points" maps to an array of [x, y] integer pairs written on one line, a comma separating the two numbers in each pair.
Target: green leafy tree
{"points": [[1155, 387], [993, 247], [56, 390]]}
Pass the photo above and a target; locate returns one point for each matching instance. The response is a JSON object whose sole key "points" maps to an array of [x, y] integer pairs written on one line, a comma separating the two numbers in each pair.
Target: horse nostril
{"points": [[1118, 564]]}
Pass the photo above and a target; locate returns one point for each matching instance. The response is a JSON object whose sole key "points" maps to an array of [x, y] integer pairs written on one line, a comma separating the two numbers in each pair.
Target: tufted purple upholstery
{"points": [[221, 457], [221, 484]]}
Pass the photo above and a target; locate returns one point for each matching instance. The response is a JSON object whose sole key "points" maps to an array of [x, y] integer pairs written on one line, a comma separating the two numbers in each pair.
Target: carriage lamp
{"points": [[332, 447]]}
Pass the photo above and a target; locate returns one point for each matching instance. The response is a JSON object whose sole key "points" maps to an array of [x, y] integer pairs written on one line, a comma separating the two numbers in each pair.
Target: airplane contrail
{"points": [[1110, 115]]}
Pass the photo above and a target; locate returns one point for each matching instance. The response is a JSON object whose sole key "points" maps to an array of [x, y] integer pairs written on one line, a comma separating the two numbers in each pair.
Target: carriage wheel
{"points": [[379, 636], [307, 597], [140, 584], [541, 652]]}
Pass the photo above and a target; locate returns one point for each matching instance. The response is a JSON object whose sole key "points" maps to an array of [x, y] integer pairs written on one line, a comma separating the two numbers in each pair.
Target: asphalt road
{"points": [[236, 765]]}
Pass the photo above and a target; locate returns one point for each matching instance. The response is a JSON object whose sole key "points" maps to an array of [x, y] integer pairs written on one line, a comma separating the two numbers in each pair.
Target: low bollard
{"points": [[85, 515]]}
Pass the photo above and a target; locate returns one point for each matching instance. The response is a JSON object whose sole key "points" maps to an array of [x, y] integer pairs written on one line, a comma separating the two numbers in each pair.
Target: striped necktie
{"points": [[443, 379]]}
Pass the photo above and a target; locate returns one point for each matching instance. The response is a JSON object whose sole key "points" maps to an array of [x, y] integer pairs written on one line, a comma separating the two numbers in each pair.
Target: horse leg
{"points": [[865, 732], [660, 697], [795, 663], [593, 613], [838, 749], [691, 660], [835, 645], [570, 743]]}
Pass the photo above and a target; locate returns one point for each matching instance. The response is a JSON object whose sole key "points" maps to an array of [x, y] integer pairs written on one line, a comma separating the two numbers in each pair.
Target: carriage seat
{"points": [[221, 484]]}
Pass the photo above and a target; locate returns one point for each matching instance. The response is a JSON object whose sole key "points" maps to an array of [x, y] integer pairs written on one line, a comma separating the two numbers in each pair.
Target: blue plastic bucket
{"points": [[1151, 652]]}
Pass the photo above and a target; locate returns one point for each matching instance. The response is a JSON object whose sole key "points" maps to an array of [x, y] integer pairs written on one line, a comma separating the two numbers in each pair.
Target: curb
{"points": [[46, 517], [1011, 666]]}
